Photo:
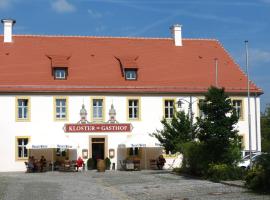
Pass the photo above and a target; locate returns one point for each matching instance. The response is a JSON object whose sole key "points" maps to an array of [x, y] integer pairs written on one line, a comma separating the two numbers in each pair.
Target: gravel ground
{"points": [[114, 185]]}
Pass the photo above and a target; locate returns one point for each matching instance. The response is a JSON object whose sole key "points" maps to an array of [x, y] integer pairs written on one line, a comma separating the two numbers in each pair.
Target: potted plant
{"points": [[90, 164], [108, 163]]}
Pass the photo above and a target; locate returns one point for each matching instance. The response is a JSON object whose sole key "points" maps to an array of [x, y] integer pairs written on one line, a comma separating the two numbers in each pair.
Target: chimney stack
{"points": [[177, 34], [8, 25]]}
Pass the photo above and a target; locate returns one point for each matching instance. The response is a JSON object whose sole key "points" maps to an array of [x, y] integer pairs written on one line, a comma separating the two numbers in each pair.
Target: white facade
{"points": [[42, 123]]}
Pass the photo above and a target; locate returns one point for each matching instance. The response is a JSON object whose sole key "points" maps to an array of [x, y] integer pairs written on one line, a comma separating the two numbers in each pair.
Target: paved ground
{"points": [[114, 185]]}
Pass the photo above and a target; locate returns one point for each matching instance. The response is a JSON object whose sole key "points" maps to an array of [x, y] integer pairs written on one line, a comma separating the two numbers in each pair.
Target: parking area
{"points": [[114, 185]]}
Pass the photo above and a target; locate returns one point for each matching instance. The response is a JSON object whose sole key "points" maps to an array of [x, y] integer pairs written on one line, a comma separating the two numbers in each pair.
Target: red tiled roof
{"points": [[59, 60], [93, 67]]}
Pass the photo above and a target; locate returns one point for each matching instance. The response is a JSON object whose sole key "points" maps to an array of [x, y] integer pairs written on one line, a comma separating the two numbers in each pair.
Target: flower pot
{"points": [[101, 165]]}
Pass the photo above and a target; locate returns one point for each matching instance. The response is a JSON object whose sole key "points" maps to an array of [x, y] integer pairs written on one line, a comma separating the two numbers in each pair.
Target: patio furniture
{"points": [[129, 165], [137, 165], [171, 165], [153, 164], [123, 164], [28, 169]]}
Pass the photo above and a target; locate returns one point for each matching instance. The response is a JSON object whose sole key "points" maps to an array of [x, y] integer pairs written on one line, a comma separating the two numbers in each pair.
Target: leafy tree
{"points": [[175, 132], [265, 129], [217, 133]]}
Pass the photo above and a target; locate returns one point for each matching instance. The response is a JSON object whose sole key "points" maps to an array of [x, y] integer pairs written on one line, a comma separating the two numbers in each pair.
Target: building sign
{"points": [[81, 128], [84, 126]]}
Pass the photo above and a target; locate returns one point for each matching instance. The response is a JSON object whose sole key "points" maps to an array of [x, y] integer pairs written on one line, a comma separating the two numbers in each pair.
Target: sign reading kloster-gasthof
{"points": [[81, 128], [84, 126]]}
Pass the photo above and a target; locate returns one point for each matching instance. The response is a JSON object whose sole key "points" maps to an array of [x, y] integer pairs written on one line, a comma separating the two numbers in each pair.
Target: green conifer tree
{"points": [[217, 132], [265, 128], [175, 132]]}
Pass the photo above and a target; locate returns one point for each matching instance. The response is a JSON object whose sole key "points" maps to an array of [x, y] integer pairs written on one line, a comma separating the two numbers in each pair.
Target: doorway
{"points": [[98, 149]]}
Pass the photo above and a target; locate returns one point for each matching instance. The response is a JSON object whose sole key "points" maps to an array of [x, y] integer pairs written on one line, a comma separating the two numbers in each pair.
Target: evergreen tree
{"points": [[217, 132], [265, 129], [175, 132]]}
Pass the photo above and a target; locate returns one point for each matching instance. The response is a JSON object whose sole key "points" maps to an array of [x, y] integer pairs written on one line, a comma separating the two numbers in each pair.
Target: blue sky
{"points": [[230, 21]]}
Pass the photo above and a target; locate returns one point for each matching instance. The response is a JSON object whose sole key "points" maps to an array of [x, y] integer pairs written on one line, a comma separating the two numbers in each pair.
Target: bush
{"points": [[258, 178], [193, 159], [90, 164], [108, 163], [218, 172]]}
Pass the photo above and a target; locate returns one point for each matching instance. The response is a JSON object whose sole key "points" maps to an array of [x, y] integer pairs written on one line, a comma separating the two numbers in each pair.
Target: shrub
{"points": [[107, 163], [193, 159], [90, 164], [218, 172], [258, 178]]}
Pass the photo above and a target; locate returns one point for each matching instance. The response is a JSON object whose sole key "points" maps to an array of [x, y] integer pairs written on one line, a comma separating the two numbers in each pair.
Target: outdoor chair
{"points": [[172, 164], [137, 165], [123, 165], [28, 169], [153, 164]]}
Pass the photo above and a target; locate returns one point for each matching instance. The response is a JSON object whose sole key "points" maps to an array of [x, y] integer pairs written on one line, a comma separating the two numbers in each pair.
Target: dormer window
{"points": [[131, 74], [60, 73], [59, 66], [129, 67]]}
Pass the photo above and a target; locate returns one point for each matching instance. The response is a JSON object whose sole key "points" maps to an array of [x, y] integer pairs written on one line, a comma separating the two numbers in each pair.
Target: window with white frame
{"points": [[60, 73], [169, 109], [22, 151], [97, 109], [131, 74], [22, 108], [237, 104], [133, 109], [61, 108]]}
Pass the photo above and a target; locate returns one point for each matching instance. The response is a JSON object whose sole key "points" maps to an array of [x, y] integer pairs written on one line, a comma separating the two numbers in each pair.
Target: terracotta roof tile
{"points": [[163, 67]]}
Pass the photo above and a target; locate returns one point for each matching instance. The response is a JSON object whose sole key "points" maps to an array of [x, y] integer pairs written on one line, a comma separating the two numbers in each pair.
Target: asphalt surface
{"points": [[114, 185]]}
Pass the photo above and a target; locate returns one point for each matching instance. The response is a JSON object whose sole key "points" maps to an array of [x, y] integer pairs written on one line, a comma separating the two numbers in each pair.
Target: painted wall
{"points": [[42, 122]]}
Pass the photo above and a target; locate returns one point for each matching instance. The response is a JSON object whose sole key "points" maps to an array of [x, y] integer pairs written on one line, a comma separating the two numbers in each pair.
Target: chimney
{"points": [[8, 25], [177, 34]]}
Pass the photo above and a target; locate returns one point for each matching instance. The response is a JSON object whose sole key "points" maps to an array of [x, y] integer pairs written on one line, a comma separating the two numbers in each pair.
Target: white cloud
{"points": [[266, 1], [4, 4], [259, 56], [62, 6], [94, 14], [100, 28]]}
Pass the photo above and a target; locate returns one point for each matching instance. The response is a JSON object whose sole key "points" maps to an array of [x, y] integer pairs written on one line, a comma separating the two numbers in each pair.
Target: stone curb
{"points": [[230, 183], [236, 184]]}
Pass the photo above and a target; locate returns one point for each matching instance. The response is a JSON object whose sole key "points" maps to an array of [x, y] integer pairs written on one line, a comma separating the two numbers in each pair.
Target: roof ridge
{"points": [[226, 51], [111, 37], [87, 36]]}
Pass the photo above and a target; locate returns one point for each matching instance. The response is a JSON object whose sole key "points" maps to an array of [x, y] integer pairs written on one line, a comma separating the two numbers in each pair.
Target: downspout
{"points": [[256, 121]]}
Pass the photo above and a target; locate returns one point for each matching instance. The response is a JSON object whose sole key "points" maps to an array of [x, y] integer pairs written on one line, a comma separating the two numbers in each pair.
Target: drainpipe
{"points": [[256, 121]]}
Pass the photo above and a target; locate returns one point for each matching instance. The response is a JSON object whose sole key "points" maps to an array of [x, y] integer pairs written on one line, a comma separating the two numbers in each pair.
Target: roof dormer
{"points": [[59, 65], [129, 67]]}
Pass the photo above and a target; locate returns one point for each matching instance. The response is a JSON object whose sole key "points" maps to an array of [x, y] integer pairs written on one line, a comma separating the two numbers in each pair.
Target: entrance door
{"points": [[98, 150], [98, 145]]}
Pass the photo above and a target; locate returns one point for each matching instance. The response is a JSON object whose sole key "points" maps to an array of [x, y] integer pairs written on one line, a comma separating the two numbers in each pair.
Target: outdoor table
{"points": [[129, 165]]}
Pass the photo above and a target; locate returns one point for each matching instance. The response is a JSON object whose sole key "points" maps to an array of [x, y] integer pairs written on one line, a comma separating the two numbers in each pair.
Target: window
{"points": [[22, 109], [169, 108], [133, 109], [60, 73], [237, 104], [133, 151], [61, 108], [131, 74], [97, 109], [21, 150], [201, 102]]}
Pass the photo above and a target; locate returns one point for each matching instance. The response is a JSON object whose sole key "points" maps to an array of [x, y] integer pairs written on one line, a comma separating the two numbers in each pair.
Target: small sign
{"points": [[81, 128]]}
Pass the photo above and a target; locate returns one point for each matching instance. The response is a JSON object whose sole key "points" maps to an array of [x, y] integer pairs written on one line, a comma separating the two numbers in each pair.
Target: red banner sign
{"points": [[82, 128]]}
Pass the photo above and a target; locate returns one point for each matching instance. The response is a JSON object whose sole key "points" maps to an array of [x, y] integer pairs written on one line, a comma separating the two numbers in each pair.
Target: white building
{"points": [[45, 80]]}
